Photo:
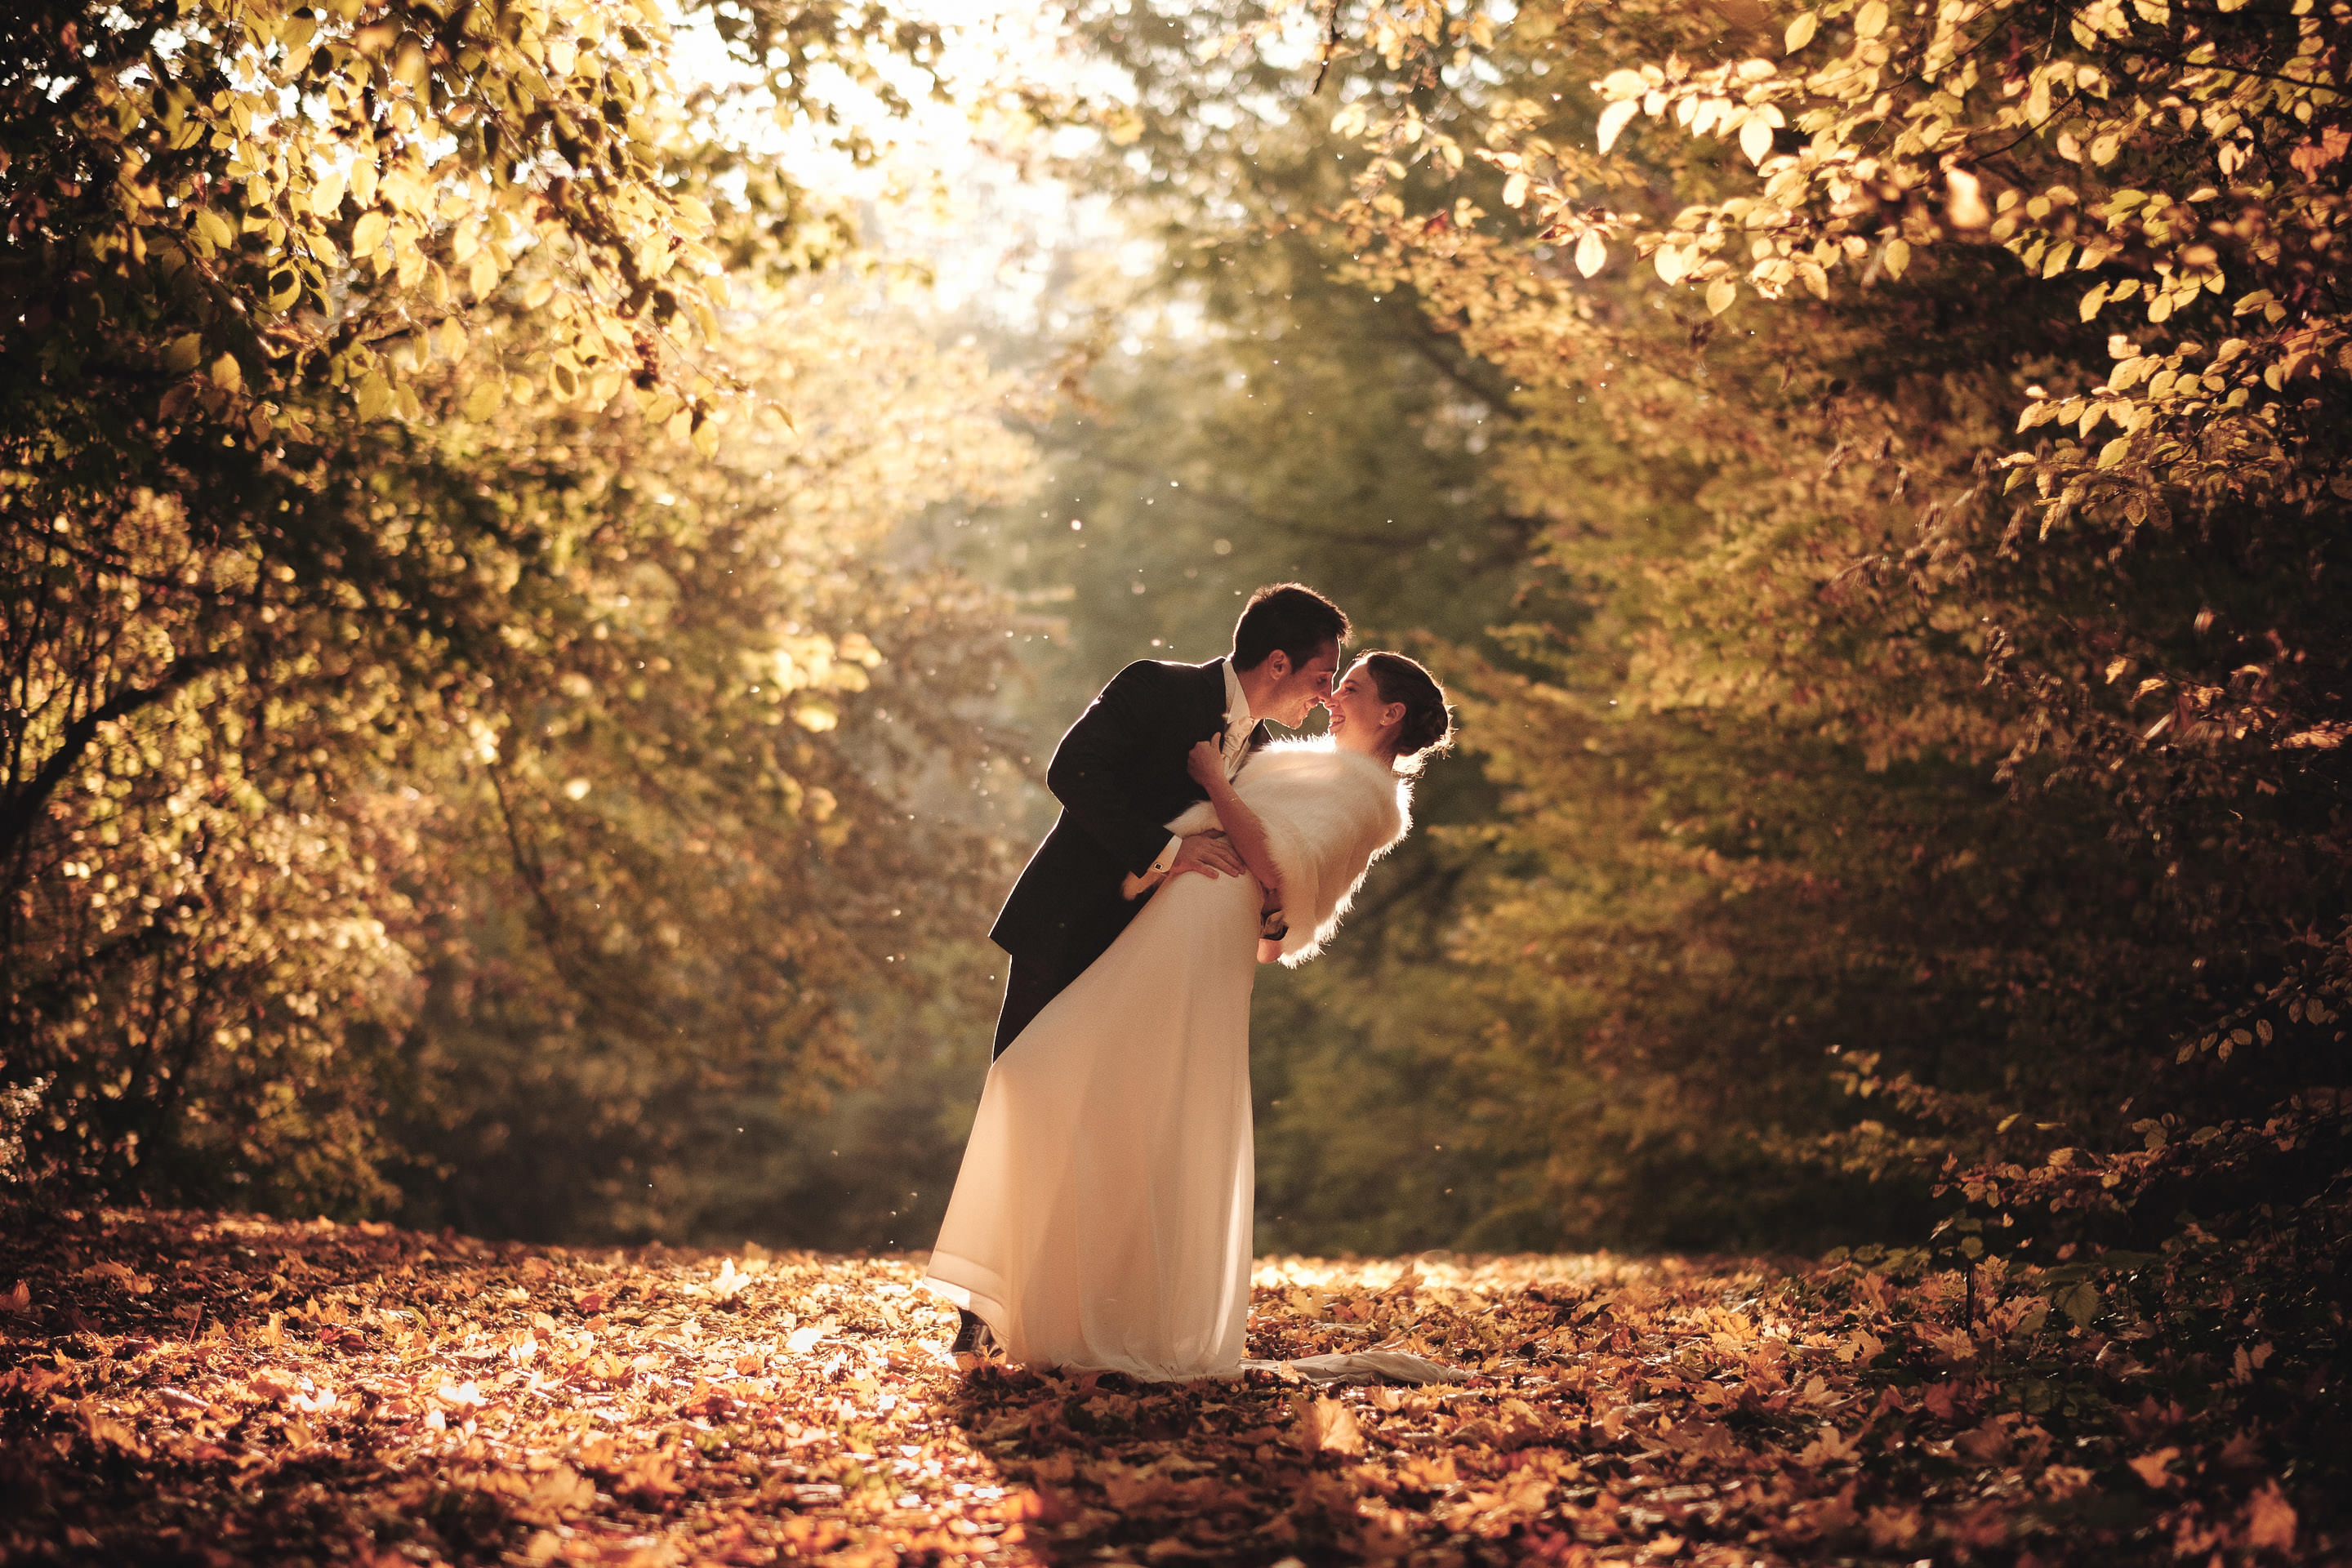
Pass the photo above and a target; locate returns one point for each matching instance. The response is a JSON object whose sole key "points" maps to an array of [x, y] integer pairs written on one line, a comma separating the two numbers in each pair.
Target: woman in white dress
{"points": [[1103, 1216]]}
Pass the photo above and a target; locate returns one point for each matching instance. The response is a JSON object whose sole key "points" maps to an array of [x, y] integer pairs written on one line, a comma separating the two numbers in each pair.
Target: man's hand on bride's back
{"points": [[1209, 854], [1206, 764]]}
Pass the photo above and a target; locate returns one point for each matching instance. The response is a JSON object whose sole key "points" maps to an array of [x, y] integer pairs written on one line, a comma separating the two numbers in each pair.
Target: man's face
{"points": [[1301, 689]]}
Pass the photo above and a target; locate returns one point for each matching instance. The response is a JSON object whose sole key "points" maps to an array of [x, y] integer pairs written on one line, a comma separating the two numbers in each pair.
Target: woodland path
{"points": [[193, 1388]]}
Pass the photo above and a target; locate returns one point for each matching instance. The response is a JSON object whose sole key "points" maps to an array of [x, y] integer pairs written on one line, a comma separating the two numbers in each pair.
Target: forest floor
{"points": [[192, 1388]]}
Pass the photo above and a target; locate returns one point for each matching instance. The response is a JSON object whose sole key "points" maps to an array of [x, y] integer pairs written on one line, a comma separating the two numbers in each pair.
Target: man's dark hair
{"points": [[1290, 616]]}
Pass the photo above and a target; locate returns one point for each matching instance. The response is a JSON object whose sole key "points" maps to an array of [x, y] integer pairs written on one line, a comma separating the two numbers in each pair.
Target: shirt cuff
{"points": [[1137, 884]]}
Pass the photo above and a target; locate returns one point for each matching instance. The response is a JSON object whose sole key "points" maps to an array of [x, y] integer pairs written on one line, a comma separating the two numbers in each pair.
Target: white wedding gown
{"points": [[1103, 1215]]}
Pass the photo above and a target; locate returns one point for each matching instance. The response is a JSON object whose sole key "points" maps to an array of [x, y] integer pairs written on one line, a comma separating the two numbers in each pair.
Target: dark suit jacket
{"points": [[1120, 774]]}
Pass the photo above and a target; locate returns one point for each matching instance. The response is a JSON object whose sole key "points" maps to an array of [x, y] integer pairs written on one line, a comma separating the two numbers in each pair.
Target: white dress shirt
{"points": [[1239, 722]]}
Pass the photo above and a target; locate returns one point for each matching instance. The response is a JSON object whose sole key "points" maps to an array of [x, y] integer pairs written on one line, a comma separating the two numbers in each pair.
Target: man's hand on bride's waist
{"points": [[1211, 854]]}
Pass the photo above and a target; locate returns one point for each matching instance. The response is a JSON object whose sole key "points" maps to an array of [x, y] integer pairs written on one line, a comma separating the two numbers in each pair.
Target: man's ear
{"points": [[1278, 665]]}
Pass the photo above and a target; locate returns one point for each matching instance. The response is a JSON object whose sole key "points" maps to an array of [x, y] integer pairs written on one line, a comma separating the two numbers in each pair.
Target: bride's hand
{"points": [[1206, 764]]}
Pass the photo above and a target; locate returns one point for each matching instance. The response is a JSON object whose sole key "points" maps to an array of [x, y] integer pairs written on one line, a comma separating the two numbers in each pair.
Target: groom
{"points": [[1120, 774]]}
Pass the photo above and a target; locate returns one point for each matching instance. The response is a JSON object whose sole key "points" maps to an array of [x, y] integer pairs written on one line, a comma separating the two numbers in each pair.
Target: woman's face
{"points": [[1359, 720]]}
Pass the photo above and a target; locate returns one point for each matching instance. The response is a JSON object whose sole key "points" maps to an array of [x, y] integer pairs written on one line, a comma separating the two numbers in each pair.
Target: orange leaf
{"points": [[2269, 1519]]}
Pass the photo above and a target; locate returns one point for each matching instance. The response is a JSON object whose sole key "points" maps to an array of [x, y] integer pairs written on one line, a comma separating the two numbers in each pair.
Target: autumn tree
{"points": [[1938, 416], [411, 712]]}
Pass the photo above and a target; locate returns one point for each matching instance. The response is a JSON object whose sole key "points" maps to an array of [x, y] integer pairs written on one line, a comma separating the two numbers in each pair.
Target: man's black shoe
{"points": [[972, 1337]]}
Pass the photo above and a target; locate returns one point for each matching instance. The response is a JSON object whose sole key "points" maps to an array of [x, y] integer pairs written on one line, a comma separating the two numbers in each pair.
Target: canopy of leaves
{"points": [[1884, 797], [418, 733]]}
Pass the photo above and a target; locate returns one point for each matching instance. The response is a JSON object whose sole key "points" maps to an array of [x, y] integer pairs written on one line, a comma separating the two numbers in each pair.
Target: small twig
{"points": [[1330, 47]]}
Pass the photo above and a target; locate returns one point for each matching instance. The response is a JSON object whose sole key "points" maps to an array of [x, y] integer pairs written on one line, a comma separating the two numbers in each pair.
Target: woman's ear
{"points": [[1392, 714]]}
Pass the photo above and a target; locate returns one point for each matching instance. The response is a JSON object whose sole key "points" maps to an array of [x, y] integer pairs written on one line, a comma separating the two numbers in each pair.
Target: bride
{"points": [[1103, 1216]]}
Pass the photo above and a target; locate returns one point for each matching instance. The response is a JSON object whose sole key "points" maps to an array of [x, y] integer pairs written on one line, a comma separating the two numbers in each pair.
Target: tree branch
{"points": [[21, 808]]}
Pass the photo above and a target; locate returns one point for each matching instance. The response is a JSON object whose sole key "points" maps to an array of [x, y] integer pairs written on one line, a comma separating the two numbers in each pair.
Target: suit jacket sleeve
{"points": [[1132, 713]]}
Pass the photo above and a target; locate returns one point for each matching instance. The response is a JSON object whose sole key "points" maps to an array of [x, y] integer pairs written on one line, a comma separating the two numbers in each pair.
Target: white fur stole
{"points": [[1329, 815]]}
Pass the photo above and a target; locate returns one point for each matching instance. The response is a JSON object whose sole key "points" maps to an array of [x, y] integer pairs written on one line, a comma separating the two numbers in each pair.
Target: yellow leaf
{"points": [[1801, 31], [1964, 199], [1326, 1427], [411, 66], [1514, 190], [1613, 120], [2093, 301], [1591, 252], [2114, 452], [182, 352], [226, 372], [368, 233], [1719, 295], [1871, 20], [1898, 257], [483, 401], [215, 229], [1756, 137], [327, 196], [1623, 84]]}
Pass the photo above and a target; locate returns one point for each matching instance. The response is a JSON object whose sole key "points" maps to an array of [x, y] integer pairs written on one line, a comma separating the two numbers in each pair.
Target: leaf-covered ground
{"points": [[207, 1389]]}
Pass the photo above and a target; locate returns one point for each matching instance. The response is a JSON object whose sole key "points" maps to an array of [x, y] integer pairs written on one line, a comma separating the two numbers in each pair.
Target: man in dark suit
{"points": [[1120, 777]]}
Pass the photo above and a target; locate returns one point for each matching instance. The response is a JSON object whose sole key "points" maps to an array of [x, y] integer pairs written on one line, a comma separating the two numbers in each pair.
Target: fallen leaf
{"points": [[2269, 1521], [1326, 1426]]}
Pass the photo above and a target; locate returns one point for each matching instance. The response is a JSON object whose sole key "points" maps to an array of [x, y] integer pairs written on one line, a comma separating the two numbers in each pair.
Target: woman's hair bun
{"points": [[1427, 728]]}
